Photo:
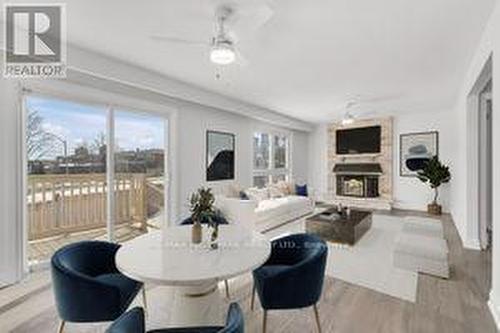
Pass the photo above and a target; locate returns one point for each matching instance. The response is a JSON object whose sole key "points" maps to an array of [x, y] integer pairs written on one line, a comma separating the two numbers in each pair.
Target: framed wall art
{"points": [[415, 149], [220, 156]]}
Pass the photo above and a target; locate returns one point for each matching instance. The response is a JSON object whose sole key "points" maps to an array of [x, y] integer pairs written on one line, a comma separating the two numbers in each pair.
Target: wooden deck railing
{"points": [[62, 204]]}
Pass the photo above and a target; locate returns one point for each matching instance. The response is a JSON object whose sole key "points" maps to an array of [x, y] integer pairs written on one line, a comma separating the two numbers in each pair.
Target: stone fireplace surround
{"points": [[369, 166]]}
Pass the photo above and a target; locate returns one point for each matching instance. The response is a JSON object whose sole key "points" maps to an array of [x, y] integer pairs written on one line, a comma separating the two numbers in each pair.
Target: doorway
{"points": [[485, 167], [479, 173]]}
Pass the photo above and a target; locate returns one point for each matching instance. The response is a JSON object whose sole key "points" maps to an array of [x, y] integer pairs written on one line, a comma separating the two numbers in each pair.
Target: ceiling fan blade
{"points": [[176, 40], [240, 59], [249, 17], [379, 98]]}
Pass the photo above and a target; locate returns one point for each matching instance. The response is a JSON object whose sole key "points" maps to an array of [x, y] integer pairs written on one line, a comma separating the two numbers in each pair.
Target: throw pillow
{"points": [[275, 191], [301, 190], [284, 187], [257, 194]]}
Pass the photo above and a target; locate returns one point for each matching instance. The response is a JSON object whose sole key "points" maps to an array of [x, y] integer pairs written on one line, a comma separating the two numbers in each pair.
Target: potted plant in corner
{"points": [[202, 210], [435, 174]]}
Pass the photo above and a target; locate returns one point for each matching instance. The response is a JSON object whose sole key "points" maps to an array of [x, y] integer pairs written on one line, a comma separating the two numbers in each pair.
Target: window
{"points": [[261, 151], [271, 158]]}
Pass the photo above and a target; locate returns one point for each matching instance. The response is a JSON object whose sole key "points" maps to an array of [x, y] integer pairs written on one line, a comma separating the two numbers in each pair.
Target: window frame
{"points": [[272, 171]]}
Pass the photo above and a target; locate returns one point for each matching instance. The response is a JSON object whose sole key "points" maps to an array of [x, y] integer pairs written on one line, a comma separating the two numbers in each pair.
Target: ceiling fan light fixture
{"points": [[222, 54], [348, 119]]}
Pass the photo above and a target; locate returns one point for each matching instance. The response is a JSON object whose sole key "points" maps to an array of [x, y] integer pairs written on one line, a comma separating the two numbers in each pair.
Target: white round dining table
{"points": [[169, 258]]}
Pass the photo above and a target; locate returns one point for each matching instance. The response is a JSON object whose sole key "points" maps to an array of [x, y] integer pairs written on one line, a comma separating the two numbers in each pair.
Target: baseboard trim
{"points": [[472, 244], [6, 280], [495, 312]]}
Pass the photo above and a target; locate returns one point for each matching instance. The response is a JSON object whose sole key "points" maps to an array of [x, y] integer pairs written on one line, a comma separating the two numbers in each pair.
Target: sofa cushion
{"points": [[257, 194], [271, 208], [277, 207]]}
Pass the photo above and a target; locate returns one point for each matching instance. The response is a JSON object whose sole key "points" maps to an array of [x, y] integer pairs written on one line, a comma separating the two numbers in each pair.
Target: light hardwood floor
{"points": [[455, 305]]}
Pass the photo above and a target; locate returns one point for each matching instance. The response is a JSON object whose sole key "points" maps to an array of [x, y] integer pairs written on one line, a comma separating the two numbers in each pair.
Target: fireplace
{"points": [[357, 186], [359, 180]]}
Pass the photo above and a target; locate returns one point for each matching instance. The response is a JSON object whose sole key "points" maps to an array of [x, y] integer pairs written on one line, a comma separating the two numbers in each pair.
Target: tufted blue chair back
{"points": [[87, 285], [293, 276], [133, 322], [91, 258]]}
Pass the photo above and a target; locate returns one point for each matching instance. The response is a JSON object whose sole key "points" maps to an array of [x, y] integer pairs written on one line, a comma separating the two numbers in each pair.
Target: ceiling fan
{"points": [[222, 46], [357, 101], [348, 118]]}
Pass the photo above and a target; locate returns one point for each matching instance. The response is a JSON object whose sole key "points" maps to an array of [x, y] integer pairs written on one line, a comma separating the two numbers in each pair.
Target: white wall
{"points": [[318, 162], [195, 120], [409, 192], [300, 157], [488, 45]]}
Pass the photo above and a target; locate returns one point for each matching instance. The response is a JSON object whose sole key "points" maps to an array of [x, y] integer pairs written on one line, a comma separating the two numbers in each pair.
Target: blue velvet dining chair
{"points": [[292, 277], [87, 285], [133, 322]]}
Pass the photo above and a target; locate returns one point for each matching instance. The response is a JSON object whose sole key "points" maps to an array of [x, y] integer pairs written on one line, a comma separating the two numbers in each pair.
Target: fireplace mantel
{"points": [[358, 169]]}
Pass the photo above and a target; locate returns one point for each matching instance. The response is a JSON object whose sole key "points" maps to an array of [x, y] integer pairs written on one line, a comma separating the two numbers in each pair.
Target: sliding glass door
{"points": [[66, 181], [69, 166], [139, 172]]}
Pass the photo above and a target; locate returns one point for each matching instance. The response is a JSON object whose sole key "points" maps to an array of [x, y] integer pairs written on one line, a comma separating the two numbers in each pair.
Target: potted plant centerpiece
{"points": [[202, 210], [435, 174]]}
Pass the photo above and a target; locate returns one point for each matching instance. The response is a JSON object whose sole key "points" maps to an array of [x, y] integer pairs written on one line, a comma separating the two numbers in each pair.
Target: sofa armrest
{"points": [[238, 211]]}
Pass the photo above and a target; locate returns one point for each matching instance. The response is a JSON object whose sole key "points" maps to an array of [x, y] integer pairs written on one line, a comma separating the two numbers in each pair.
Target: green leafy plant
{"points": [[202, 205], [203, 210], [435, 174]]}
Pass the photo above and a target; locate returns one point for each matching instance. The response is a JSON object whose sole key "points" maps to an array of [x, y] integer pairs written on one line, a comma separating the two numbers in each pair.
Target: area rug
{"points": [[369, 262]]}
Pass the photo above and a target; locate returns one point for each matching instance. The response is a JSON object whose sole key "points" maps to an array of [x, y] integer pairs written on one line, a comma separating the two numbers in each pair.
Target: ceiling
{"points": [[309, 59]]}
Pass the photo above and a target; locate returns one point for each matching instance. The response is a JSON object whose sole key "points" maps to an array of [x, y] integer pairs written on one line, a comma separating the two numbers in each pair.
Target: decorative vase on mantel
{"points": [[196, 232]]}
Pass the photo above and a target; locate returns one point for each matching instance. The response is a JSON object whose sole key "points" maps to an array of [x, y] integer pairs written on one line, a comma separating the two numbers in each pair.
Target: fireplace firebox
{"points": [[361, 186], [359, 180]]}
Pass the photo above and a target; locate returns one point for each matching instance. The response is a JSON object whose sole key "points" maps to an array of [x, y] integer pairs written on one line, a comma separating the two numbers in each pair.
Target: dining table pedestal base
{"points": [[197, 305]]}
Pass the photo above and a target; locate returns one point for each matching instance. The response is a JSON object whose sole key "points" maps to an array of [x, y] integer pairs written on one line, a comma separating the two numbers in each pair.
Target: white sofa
{"points": [[263, 215]]}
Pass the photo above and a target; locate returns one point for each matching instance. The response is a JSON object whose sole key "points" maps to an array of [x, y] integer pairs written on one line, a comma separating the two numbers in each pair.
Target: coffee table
{"points": [[332, 227]]}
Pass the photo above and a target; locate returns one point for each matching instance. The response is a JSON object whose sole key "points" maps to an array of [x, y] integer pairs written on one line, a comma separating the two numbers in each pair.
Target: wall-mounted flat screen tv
{"points": [[363, 140]]}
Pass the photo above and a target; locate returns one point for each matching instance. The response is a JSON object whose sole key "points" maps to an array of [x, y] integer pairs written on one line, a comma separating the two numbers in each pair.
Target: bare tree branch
{"points": [[38, 142]]}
